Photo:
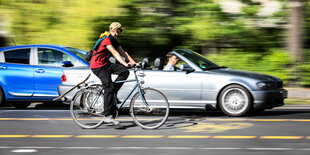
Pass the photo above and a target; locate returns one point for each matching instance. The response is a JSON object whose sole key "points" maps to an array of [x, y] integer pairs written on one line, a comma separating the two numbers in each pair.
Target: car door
{"points": [[16, 73], [48, 71], [181, 89]]}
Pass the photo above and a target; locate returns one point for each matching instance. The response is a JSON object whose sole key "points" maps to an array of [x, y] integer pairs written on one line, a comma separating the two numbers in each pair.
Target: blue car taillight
{"points": [[63, 78]]}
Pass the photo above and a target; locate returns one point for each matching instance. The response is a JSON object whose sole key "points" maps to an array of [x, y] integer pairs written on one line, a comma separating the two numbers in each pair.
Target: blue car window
{"points": [[20, 56], [78, 52], [54, 58]]}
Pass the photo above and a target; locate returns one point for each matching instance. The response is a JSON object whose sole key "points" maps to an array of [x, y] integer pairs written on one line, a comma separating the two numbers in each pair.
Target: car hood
{"points": [[246, 74]]}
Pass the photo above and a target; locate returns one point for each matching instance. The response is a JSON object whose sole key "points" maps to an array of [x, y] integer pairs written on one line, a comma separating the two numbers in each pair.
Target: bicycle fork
{"points": [[141, 94]]}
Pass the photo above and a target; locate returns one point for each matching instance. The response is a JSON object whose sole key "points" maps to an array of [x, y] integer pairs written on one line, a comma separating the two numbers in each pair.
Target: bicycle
{"points": [[149, 108]]}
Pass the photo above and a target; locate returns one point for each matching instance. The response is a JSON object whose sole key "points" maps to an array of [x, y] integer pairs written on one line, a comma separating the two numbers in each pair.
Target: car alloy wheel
{"points": [[235, 100]]}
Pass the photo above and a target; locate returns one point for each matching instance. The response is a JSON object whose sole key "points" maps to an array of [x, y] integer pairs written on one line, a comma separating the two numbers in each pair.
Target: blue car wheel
{"points": [[20, 105], [2, 98]]}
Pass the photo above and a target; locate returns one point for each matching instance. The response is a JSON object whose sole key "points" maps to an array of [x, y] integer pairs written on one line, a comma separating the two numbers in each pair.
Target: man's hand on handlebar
{"points": [[130, 65]]}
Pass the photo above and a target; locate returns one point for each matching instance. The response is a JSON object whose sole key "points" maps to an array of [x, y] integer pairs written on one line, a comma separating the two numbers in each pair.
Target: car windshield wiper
{"points": [[217, 67]]}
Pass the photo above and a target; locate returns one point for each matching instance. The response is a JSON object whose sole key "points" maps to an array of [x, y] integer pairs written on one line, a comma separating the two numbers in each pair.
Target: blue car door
{"points": [[16, 74], [48, 72], [46, 81]]}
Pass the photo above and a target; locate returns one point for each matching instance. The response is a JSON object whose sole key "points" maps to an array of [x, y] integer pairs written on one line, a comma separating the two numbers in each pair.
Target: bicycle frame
{"points": [[86, 107], [137, 85]]}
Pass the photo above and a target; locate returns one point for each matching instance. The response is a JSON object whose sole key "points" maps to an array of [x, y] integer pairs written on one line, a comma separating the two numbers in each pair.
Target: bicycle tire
{"points": [[149, 119], [83, 114]]}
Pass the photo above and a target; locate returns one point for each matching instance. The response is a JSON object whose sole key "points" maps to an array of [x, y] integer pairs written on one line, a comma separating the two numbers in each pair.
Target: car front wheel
{"points": [[235, 100]]}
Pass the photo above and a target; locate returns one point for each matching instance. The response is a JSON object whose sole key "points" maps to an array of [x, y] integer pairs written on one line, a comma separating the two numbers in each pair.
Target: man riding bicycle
{"points": [[103, 69]]}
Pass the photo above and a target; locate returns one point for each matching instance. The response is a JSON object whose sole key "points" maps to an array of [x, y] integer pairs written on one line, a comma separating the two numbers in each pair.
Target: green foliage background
{"points": [[64, 22], [155, 27]]}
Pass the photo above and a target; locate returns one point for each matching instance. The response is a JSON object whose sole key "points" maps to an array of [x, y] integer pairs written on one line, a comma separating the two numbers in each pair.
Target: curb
{"points": [[298, 92], [297, 107]]}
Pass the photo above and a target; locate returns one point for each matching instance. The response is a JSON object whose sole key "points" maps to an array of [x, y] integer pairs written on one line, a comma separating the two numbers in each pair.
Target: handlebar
{"points": [[137, 66]]}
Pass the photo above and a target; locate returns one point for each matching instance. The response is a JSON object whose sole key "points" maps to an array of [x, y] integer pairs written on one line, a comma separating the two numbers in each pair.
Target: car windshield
{"points": [[78, 52], [199, 60]]}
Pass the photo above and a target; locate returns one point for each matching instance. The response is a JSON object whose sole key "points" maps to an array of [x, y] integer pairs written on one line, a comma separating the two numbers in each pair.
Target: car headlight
{"points": [[266, 85]]}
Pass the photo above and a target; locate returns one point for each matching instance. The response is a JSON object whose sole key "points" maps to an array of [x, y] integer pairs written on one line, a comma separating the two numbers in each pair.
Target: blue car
{"points": [[32, 72]]}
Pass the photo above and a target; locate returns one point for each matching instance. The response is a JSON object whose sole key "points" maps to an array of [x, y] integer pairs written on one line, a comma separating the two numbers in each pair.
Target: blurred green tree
{"points": [[307, 26], [156, 27], [64, 22]]}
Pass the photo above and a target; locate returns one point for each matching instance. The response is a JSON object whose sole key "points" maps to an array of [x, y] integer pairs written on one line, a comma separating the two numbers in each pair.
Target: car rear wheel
{"points": [[235, 100], [21, 105]]}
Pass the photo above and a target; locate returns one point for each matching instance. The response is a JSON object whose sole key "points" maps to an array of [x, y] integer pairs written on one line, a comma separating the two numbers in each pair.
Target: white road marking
{"points": [[37, 147], [24, 151], [30, 149]]}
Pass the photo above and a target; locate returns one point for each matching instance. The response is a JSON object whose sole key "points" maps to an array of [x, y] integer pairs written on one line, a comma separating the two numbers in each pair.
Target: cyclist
{"points": [[102, 68]]}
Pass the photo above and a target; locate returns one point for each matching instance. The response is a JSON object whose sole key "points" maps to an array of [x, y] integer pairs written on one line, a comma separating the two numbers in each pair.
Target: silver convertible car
{"points": [[198, 84]]}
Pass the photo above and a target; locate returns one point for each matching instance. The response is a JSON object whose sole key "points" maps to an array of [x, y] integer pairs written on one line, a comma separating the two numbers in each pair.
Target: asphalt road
{"points": [[49, 130]]}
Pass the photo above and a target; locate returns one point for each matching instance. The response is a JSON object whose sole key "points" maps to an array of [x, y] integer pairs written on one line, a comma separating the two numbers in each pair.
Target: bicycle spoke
{"points": [[153, 113], [83, 114]]}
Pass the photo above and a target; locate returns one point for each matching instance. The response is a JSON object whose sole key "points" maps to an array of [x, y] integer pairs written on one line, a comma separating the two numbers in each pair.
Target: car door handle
{"points": [[141, 74], [40, 71], [3, 67]]}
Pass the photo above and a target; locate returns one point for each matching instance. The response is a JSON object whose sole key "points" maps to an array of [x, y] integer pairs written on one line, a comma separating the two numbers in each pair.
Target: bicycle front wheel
{"points": [[86, 108], [152, 113]]}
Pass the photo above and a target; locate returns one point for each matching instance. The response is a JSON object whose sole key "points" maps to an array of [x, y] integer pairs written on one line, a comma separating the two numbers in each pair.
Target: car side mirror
{"points": [[143, 64], [187, 68], [67, 64]]}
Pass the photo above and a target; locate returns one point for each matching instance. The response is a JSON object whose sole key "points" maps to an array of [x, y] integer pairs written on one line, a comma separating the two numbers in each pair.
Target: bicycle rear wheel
{"points": [[154, 114], [84, 111]]}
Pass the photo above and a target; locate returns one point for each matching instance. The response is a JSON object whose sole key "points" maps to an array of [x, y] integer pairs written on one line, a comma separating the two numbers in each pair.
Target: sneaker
{"points": [[109, 119]]}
